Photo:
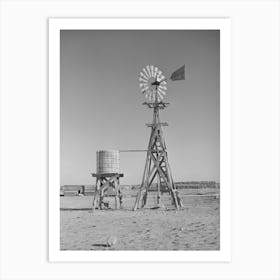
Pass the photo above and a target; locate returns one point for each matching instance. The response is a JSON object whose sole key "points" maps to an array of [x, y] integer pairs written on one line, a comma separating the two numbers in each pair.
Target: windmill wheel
{"points": [[152, 83]]}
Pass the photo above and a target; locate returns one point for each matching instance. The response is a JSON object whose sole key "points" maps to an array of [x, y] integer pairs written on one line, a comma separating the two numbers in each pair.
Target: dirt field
{"points": [[196, 227]]}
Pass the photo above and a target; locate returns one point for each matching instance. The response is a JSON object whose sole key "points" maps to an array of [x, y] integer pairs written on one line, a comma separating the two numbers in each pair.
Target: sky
{"points": [[101, 102]]}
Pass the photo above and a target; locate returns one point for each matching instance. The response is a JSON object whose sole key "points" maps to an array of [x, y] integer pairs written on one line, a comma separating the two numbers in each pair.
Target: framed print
{"points": [[114, 194], [72, 88]]}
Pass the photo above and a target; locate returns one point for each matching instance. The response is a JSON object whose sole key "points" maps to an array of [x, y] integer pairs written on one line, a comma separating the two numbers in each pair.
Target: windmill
{"points": [[153, 85]]}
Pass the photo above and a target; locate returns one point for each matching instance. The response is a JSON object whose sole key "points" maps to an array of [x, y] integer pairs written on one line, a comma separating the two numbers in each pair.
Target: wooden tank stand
{"points": [[103, 183]]}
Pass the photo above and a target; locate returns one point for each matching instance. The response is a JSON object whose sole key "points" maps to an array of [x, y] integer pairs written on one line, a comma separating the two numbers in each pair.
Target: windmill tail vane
{"points": [[179, 74]]}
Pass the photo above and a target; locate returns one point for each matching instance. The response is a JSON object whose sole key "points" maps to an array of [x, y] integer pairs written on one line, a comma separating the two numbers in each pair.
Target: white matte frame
{"points": [[222, 24]]}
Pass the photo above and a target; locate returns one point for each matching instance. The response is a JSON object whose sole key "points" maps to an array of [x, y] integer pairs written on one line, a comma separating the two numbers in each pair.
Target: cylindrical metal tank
{"points": [[107, 161]]}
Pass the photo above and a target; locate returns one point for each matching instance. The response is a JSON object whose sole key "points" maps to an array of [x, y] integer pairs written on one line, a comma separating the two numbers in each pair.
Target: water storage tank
{"points": [[107, 161]]}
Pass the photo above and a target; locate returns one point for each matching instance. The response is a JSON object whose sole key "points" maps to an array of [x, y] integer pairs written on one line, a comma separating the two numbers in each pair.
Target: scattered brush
{"points": [[111, 241]]}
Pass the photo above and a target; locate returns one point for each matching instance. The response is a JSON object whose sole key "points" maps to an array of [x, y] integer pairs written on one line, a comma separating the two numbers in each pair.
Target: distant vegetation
{"points": [[190, 185], [197, 185], [82, 189]]}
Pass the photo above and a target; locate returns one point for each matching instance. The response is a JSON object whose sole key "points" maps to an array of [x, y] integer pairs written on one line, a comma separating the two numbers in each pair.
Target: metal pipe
{"points": [[125, 151]]}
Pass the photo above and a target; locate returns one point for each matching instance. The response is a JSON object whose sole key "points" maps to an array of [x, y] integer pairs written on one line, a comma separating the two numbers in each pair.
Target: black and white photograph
{"points": [[138, 163], [140, 140]]}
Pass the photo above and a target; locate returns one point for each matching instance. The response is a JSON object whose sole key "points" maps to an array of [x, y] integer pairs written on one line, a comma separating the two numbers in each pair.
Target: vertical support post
{"points": [[101, 195], [158, 189], [96, 194], [116, 189], [119, 193]]}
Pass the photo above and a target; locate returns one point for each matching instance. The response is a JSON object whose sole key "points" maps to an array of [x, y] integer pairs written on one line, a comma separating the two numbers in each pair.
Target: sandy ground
{"points": [[196, 227]]}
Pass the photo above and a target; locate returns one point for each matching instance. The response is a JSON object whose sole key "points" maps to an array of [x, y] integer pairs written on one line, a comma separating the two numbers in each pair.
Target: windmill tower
{"points": [[154, 85]]}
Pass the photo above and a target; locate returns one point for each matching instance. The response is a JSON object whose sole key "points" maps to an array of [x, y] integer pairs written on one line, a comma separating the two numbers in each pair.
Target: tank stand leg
{"points": [[119, 193], [95, 202], [115, 186], [101, 195], [120, 199]]}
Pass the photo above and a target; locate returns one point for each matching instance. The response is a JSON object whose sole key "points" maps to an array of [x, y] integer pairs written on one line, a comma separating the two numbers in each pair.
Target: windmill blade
{"points": [[159, 72], [148, 70], [161, 77], [142, 84], [152, 70], [163, 87], [143, 75], [160, 95], [142, 80], [156, 71], [146, 73], [144, 87], [161, 91]]}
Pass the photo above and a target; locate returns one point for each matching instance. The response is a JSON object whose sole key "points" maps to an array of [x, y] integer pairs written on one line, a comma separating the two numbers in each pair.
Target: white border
{"points": [[55, 25]]}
